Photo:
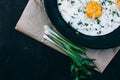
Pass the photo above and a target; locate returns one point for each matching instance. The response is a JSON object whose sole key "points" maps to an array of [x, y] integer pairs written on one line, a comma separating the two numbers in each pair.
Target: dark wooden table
{"points": [[22, 58]]}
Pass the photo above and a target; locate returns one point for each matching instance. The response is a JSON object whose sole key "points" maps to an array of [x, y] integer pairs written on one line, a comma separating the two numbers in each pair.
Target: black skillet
{"points": [[95, 42]]}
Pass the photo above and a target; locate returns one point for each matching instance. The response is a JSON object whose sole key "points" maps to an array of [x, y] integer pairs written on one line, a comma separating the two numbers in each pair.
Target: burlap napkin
{"points": [[33, 20]]}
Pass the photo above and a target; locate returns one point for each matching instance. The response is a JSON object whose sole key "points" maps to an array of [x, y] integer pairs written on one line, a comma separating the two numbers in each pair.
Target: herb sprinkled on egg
{"points": [[91, 17]]}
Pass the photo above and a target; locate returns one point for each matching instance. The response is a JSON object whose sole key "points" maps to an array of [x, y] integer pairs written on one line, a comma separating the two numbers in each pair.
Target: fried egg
{"points": [[91, 17]]}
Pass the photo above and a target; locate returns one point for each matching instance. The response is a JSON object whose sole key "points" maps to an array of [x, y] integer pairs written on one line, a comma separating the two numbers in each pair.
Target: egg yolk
{"points": [[118, 3], [93, 10]]}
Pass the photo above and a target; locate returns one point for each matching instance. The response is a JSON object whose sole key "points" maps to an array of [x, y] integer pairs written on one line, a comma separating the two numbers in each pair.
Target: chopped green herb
{"points": [[113, 13], [99, 32], [79, 23], [117, 14], [72, 17], [79, 10], [86, 29], [69, 22], [98, 21], [110, 2], [72, 2], [75, 13], [106, 8], [96, 29], [103, 3], [102, 26], [59, 4], [86, 24], [111, 20]]}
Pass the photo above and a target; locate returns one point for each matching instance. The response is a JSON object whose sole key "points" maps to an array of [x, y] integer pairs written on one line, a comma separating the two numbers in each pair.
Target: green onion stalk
{"points": [[81, 67]]}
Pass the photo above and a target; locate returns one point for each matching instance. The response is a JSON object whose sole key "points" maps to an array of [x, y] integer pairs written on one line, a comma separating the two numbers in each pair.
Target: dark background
{"points": [[22, 58]]}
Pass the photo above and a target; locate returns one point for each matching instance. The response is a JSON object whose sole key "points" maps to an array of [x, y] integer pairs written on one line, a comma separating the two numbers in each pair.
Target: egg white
{"points": [[74, 14]]}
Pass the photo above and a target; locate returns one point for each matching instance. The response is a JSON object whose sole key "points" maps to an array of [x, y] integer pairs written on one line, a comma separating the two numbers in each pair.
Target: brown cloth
{"points": [[32, 24]]}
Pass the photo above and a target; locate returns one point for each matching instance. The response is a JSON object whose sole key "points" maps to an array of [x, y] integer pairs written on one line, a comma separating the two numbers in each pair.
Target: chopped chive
{"points": [[59, 4], [69, 22], [99, 32], [113, 12], [72, 17], [110, 2], [111, 20], [103, 3], [72, 2], [79, 23], [102, 26], [79, 10], [86, 24], [96, 29], [117, 14], [98, 21]]}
